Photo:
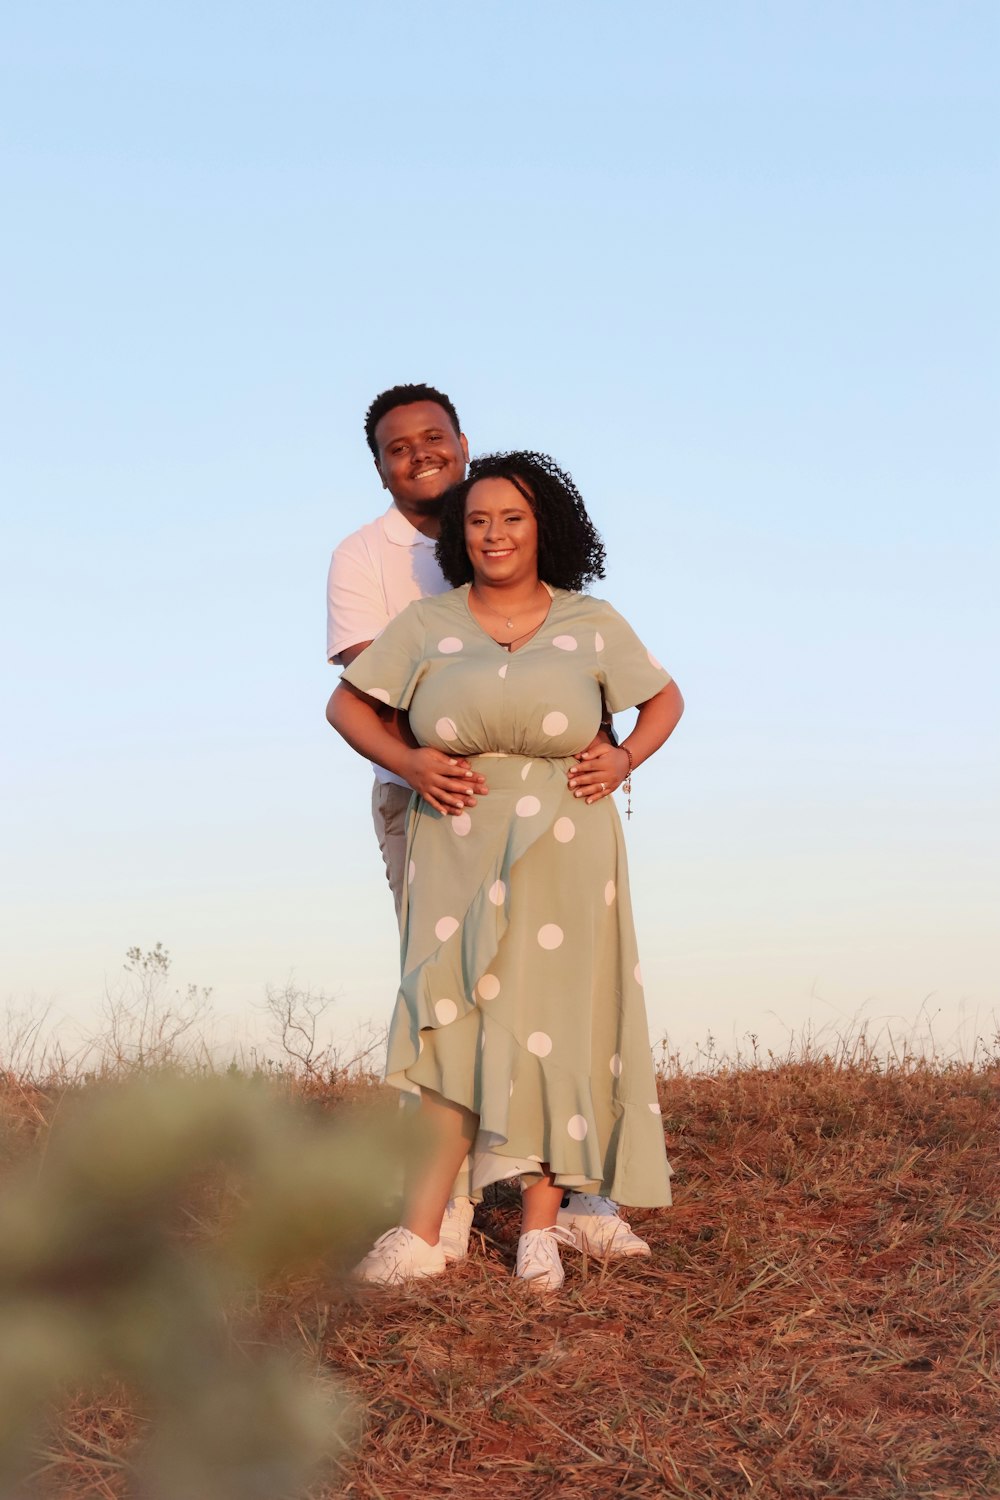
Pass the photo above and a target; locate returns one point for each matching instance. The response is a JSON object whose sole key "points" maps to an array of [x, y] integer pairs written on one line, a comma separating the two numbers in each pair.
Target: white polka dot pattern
{"points": [[538, 876]]}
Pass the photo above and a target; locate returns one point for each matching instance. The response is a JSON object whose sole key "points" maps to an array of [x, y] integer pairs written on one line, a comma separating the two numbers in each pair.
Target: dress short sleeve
{"points": [[390, 668], [627, 672]]}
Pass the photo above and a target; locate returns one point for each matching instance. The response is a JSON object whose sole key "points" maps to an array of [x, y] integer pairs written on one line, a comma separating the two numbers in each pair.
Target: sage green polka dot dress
{"points": [[521, 994]]}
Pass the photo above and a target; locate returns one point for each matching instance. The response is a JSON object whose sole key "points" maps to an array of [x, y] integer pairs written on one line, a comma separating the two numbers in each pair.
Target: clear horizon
{"points": [[734, 268]]}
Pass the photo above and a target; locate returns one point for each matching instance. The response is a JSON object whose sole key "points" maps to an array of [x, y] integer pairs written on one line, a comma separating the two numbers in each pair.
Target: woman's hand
{"points": [[445, 782], [599, 772]]}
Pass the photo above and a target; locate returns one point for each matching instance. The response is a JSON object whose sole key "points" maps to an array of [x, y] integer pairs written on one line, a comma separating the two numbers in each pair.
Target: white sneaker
{"points": [[538, 1260], [455, 1229], [399, 1255], [598, 1227]]}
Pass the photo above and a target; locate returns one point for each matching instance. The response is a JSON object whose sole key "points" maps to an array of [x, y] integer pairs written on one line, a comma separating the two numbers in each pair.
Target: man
{"points": [[420, 451]]}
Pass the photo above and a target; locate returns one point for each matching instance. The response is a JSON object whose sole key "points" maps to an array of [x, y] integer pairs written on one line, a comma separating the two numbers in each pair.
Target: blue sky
{"points": [[734, 265]]}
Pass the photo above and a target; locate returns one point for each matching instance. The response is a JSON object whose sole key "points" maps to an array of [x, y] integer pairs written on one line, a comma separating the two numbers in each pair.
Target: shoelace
{"points": [[558, 1232], [555, 1232], [390, 1245]]}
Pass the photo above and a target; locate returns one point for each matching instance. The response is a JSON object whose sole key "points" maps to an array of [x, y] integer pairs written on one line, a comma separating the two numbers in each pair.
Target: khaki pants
{"points": [[389, 804]]}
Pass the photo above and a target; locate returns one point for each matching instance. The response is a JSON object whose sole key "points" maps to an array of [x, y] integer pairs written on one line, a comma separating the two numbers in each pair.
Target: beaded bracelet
{"points": [[627, 783]]}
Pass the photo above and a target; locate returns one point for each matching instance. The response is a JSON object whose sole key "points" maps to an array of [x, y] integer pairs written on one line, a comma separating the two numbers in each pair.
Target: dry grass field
{"points": [[819, 1317]]}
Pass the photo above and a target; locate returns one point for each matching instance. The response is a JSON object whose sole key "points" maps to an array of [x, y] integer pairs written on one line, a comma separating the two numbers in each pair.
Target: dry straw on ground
{"points": [[818, 1319]]}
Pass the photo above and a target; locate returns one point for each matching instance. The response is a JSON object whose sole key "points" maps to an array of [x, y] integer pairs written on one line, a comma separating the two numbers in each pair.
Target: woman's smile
{"points": [[501, 533]]}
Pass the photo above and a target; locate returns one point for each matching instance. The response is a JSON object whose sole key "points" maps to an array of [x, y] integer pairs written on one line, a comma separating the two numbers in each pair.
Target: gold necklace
{"points": [[507, 619]]}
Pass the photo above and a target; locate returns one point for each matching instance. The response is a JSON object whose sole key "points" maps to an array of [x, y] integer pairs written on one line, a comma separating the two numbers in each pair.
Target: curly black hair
{"points": [[405, 395], [570, 551]]}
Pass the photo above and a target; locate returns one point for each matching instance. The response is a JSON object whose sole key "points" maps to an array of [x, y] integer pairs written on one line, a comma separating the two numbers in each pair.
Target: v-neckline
{"points": [[492, 639]]}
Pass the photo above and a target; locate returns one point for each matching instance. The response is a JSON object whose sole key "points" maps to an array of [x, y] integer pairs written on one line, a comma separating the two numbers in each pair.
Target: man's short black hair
{"points": [[570, 551], [405, 395]]}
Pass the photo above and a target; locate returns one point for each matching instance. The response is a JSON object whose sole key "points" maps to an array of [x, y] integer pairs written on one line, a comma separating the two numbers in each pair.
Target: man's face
{"points": [[419, 456]]}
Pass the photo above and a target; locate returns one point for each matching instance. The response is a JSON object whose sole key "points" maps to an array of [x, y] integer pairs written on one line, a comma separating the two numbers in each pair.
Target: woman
{"points": [[520, 1020]]}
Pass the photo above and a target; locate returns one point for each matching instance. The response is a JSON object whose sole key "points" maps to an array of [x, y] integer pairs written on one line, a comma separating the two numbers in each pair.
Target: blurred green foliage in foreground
{"points": [[132, 1237]]}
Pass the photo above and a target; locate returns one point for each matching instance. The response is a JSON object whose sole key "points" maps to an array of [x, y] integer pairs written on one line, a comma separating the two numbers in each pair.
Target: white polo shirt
{"points": [[374, 574]]}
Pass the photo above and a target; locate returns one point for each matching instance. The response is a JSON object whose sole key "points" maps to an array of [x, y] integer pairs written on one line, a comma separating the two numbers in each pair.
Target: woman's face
{"points": [[501, 533]]}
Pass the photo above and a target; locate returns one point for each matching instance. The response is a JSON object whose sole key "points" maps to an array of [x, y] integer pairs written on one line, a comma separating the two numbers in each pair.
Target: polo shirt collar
{"points": [[398, 529]]}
